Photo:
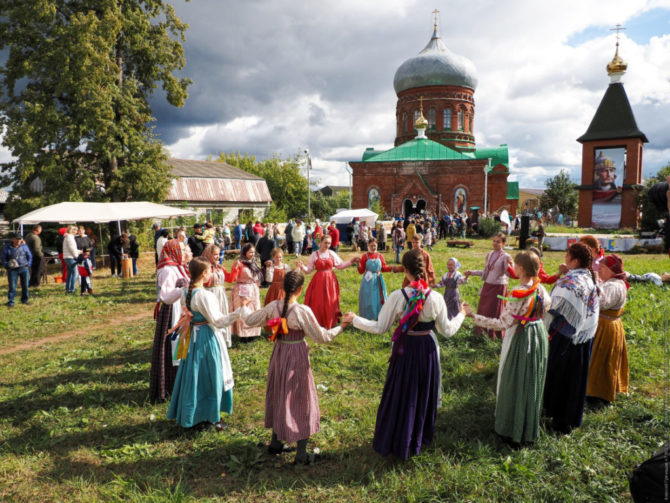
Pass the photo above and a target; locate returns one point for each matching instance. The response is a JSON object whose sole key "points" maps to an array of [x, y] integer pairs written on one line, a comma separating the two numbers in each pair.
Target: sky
{"points": [[276, 77]]}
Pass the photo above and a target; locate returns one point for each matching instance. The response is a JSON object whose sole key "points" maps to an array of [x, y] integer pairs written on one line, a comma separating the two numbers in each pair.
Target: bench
{"points": [[460, 242]]}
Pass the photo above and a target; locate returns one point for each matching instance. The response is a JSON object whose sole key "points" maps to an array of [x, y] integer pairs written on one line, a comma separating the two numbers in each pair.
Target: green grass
{"points": [[75, 423]]}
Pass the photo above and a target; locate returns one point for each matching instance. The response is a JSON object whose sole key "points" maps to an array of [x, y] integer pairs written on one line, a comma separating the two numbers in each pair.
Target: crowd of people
{"points": [[559, 349]]}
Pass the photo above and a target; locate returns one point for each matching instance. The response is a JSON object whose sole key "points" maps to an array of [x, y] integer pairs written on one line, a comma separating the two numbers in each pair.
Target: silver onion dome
{"points": [[436, 65]]}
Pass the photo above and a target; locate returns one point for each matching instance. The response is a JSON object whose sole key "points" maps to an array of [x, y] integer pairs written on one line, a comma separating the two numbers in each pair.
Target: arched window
{"points": [[373, 196], [431, 118], [460, 120], [446, 119], [404, 122]]}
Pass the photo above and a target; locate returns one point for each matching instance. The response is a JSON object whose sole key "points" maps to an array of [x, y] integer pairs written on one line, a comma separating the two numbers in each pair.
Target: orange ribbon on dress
{"points": [[183, 326], [275, 325]]}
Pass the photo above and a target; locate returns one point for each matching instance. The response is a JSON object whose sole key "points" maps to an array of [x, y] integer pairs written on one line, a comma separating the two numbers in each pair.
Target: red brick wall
{"points": [[437, 98], [632, 176]]}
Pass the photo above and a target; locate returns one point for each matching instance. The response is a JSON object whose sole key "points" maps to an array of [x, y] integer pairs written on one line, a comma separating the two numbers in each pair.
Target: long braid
{"points": [[188, 295], [292, 282], [196, 269]]}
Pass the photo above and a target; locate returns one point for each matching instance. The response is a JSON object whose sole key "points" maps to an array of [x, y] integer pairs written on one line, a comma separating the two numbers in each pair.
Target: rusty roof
{"points": [[207, 169], [208, 181]]}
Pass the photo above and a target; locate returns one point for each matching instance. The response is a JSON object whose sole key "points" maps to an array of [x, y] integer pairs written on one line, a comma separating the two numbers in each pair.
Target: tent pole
{"points": [[118, 223], [102, 254]]}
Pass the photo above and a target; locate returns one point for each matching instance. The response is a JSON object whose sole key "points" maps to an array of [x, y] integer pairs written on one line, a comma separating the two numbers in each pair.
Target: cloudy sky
{"points": [[276, 77]]}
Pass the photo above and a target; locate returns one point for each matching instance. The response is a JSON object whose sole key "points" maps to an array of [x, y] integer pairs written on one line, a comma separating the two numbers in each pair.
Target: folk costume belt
{"points": [[610, 318], [291, 342], [418, 332]]}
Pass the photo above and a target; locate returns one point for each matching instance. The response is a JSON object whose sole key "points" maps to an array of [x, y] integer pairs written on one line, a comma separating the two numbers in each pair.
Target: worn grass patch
{"points": [[76, 425]]}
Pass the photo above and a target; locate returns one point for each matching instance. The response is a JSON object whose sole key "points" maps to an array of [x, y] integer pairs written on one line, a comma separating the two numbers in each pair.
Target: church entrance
{"points": [[409, 209]]}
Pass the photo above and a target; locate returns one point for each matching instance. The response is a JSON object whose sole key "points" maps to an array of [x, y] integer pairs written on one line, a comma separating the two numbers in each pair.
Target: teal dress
{"points": [[198, 395], [372, 293]]}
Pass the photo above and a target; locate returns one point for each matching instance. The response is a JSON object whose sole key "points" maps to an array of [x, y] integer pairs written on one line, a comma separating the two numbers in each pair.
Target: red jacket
{"points": [[334, 235]]}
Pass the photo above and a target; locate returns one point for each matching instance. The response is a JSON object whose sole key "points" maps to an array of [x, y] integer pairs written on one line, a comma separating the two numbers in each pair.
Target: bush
{"points": [[488, 227]]}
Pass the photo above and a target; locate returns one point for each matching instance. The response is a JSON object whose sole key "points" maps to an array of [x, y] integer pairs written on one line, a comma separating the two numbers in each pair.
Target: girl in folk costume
{"points": [[291, 402], [323, 292], [372, 294], [451, 280], [523, 359], [249, 277], [596, 249], [494, 276], [608, 370], [411, 396], [171, 278], [545, 279], [572, 321], [204, 384], [217, 284], [417, 241], [275, 270]]}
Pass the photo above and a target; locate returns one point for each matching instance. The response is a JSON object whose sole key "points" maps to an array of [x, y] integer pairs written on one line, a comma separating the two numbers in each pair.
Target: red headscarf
{"points": [[615, 264], [171, 255]]}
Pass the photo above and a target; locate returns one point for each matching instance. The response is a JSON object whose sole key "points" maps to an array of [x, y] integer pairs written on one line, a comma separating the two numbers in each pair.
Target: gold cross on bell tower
{"points": [[436, 13]]}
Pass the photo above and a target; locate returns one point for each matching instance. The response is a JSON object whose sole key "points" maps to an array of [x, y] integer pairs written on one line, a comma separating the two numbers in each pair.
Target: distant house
{"points": [[330, 190], [529, 199], [217, 189]]}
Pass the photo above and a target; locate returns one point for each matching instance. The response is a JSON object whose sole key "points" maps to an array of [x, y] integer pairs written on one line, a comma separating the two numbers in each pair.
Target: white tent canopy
{"points": [[363, 214], [72, 212]]}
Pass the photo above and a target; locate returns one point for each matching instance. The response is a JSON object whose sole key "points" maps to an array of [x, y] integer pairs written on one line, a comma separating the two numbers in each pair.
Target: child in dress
{"points": [[451, 281], [204, 383], [291, 402], [428, 240], [85, 269], [523, 358], [275, 270]]}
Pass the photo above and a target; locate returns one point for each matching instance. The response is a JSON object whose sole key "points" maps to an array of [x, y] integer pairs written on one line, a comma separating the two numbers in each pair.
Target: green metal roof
{"points": [[428, 150], [512, 190], [498, 155], [417, 150]]}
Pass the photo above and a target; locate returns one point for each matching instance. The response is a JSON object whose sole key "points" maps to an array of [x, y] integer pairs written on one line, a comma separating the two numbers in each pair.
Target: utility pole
{"points": [[486, 187], [309, 189]]}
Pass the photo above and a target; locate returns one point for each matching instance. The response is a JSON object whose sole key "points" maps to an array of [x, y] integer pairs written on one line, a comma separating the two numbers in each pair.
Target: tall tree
{"points": [[74, 98], [286, 184], [560, 192]]}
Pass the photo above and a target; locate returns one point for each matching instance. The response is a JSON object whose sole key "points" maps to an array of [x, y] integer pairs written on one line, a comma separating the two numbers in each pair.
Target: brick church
{"points": [[435, 165]]}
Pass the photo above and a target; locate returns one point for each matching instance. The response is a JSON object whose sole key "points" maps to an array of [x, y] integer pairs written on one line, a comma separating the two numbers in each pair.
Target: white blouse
{"points": [[394, 307], [270, 271], [612, 294], [207, 304], [299, 317], [167, 291], [337, 261]]}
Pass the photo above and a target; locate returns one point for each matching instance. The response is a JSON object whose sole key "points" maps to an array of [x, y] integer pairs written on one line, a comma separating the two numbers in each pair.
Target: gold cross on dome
{"points": [[435, 13]]}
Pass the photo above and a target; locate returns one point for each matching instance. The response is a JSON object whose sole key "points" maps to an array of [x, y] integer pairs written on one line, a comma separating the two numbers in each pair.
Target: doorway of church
{"points": [[409, 209]]}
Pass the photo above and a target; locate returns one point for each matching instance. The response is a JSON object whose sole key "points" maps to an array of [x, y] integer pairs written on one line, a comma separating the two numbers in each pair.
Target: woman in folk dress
{"points": [[451, 280], [249, 277], [275, 270], [217, 285], [372, 293]]}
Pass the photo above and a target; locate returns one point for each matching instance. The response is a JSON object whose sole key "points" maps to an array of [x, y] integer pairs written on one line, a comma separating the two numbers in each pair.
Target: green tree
{"points": [[286, 184], [650, 213], [562, 192], [74, 98]]}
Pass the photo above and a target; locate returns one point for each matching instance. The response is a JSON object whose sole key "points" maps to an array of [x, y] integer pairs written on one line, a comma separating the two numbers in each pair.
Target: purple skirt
{"points": [[407, 411], [491, 306]]}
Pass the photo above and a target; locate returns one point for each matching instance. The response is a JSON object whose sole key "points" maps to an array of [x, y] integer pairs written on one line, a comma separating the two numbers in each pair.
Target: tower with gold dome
{"points": [[435, 166], [611, 157]]}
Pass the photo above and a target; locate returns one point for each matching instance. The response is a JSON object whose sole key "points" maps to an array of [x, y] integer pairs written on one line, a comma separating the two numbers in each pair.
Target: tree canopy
{"points": [[74, 98], [561, 192]]}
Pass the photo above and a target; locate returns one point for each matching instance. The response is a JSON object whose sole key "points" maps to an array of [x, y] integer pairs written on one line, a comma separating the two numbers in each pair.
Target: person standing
{"points": [[34, 243], [17, 259], [115, 249], [59, 249], [237, 234], [429, 270], [398, 238], [133, 251], [408, 406], [372, 292], [163, 238], [264, 249], [157, 233], [94, 245], [495, 278], [288, 232], [70, 254], [410, 230], [197, 241], [334, 236], [298, 235], [248, 280]]}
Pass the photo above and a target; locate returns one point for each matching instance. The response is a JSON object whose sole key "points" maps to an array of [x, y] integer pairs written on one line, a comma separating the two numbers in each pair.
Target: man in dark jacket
{"points": [[17, 259], [34, 243], [197, 241], [264, 248]]}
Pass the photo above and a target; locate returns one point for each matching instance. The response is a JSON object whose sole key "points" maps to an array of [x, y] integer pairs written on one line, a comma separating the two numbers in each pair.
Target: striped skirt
{"points": [[491, 306], [291, 402], [163, 373]]}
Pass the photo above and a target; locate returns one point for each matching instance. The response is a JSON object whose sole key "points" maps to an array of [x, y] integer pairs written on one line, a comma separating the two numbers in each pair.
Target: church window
{"points": [[404, 122], [460, 120], [446, 118], [431, 118]]}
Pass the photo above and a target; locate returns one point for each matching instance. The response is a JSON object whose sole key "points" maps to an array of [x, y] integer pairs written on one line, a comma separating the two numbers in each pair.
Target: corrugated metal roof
{"points": [[207, 169], [419, 150], [219, 190]]}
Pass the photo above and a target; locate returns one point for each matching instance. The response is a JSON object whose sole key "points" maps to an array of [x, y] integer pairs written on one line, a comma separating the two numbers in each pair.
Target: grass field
{"points": [[76, 424]]}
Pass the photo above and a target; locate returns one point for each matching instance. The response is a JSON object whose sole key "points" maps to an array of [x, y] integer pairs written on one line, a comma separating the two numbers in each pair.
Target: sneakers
{"points": [[9, 304]]}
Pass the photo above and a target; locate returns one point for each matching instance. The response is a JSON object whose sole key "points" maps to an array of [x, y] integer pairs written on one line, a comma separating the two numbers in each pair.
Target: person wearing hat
{"points": [[197, 241], [608, 369], [17, 259]]}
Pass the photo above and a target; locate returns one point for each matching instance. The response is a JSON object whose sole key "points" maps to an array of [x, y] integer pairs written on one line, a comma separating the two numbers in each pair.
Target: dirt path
{"points": [[114, 320]]}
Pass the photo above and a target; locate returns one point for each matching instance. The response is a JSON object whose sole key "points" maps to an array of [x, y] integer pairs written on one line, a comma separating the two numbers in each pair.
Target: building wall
{"points": [[632, 177], [398, 181], [437, 98]]}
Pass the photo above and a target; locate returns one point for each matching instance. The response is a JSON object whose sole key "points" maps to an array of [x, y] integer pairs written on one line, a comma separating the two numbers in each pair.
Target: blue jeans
{"points": [[71, 280], [398, 251], [12, 277], [134, 266], [298, 247]]}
